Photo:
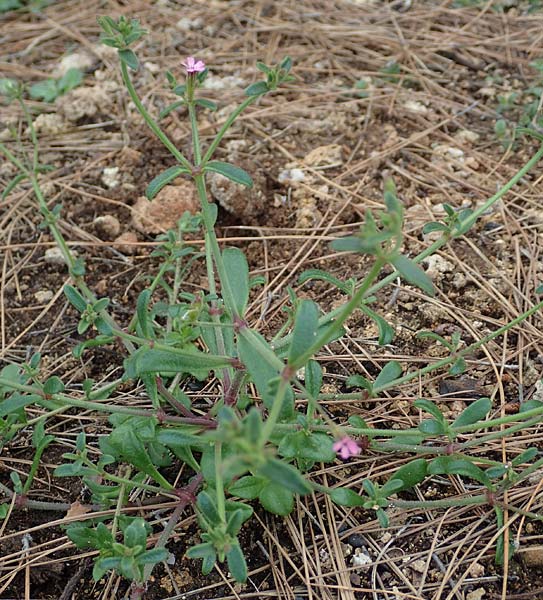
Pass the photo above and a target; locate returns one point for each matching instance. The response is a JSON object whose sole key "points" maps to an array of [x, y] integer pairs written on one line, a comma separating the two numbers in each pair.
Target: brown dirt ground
{"points": [[454, 63]]}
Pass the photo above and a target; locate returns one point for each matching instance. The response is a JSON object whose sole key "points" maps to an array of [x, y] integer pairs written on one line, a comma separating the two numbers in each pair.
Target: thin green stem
{"points": [[336, 325], [150, 121], [219, 482], [435, 246], [226, 126], [275, 412]]}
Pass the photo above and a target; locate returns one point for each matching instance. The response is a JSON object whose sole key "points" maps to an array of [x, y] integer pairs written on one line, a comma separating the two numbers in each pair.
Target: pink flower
{"points": [[193, 66], [346, 447]]}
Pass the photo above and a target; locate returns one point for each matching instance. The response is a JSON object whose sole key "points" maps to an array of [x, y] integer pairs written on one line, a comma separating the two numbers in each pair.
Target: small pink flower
{"points": [[193, 66], [346, 447]]}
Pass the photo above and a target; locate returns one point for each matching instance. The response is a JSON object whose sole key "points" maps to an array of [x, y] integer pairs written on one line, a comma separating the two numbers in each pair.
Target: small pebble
{"points": [[43, 296], [126, 242], [107, 226], [53, 256]]}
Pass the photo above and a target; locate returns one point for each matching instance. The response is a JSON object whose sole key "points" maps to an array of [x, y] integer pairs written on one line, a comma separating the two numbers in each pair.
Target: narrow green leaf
{"points": [[210, 105], [257, 89], [142, 312], [476, 411], [136, 533], [391, 371], [429, 407], [12, 184], [153, 556], [237, 272], [276, 499], [458, 367], [236, 563], [247, 487], [75, 298], [128, 57], [305, 327], [229, 171], [411, 474], [359, 381], [17, 401], [285, 475], [457, 466], [163, 179], [413, 274], [386, 332], [348, 244], [313, 378], [53, 385], [346, 497]]}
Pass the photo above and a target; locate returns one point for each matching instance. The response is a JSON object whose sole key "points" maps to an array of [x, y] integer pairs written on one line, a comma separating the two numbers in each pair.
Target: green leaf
{"points": [[163, 179], [257, 89], [129, 446], [208, 509], [434, 226], [458, 367], [346, 497], [247, 487], [359, 381], [12, 184], [476, 411], [261, 371], [53, 385], [17, 401], [306, 322], [136, 533], [386, 332], [413, 274], [177, 360], [411, 474], [142, 312], [128, 57], [313, 378], [153, 556], [390, 372], [285, 475], [457, 466], [318, 274], [75, 298], [45, 90], [71, 79], [206, 104], [429, 407], [276, 499], [432, 427], [205, 552], [237, 273], [311, 446], [236, 563], [229, 171], [348, 244]]}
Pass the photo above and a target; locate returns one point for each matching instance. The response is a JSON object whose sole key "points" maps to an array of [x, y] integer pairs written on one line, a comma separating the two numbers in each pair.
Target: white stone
{"points": [[361, 558], [53, 256], [416, 107], [291, 176], [110, 177], [43, 296], [77, 60]]}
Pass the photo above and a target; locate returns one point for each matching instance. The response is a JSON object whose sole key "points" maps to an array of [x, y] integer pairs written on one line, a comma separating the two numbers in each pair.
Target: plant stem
{"points": [[435, 246], [152, 124], [271, 422], [219, 482], [226, 126]]}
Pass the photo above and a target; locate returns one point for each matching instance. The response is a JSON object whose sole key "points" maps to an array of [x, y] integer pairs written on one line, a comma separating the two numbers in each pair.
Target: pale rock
{"points": [[77, 60], [459, 281], [538, 391], [449, 152], [213, 82], [476, 594], [291, 176], [107, 226], [237, 199], [87, 101], [476, 570], [127, 242], [49, 124], [43, 296], [361, 558], [414, 106], [329, 155], [152, 67], [386, 537], [433, 313], [53, 256], [436, 266], [165, 209], [533, 556], [487, 91], [186, 24], [466, 136], [418, 565], [110, 177]]}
